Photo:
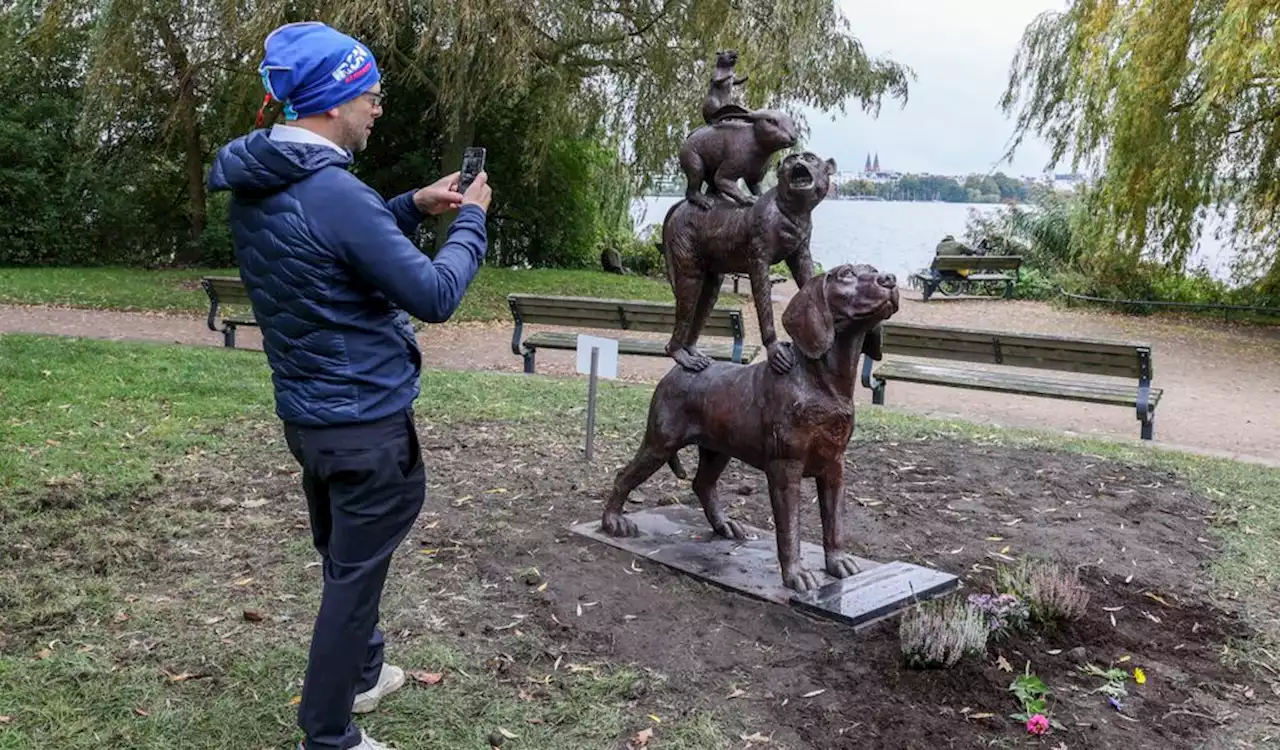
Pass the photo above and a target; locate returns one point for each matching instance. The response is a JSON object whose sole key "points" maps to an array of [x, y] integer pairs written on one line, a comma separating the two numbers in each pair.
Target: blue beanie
{"points": [[312, 68]]}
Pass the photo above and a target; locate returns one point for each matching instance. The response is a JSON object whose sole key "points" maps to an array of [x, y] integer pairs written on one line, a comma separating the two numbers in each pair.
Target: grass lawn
{"points": [[179, 290], [141, 516]]}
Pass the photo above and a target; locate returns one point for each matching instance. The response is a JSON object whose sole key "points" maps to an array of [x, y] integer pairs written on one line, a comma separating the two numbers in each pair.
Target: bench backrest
{"points": [[976, 262], [1092, 356], [617, 314], [229, 290]]}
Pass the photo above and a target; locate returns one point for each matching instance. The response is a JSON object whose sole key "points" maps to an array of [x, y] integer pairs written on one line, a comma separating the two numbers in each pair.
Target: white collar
{"points": [[295, 134]]}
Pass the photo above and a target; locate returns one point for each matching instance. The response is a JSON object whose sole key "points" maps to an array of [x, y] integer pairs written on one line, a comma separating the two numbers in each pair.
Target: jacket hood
{"points": [[254, 164]]}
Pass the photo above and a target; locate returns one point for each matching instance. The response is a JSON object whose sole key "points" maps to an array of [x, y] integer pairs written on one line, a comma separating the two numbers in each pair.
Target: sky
{"points": [[960, 51]]}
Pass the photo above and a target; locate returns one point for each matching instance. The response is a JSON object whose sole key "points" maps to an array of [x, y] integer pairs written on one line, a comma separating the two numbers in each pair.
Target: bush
{"points": [[1050, 593], [940, 633]]}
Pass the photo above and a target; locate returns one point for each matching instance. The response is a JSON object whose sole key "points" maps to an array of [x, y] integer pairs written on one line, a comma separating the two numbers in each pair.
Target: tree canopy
{"points": [[601, 92], [1174, 105]]}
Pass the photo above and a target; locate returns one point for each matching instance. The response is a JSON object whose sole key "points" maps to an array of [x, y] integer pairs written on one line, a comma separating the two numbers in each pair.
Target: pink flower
{"points": [[1038, 724]]}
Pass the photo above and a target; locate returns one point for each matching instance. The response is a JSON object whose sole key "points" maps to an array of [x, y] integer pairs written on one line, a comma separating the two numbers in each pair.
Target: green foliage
{"points": [[1172, 106], [1031, 693], [976, 189]]}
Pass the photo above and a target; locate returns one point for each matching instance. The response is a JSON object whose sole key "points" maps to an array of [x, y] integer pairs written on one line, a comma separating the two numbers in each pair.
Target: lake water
{"points": [[895, 237]]}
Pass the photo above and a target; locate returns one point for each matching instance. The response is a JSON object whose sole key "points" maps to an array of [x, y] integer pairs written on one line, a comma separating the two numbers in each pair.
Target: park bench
{"points": [[223, 291], [774, 278], [957, 274], [1114, 359], [624, 315]]}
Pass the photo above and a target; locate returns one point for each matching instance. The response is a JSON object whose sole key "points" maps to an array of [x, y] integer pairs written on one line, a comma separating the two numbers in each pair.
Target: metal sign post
{"points": [[598, 357], [591, 400]]}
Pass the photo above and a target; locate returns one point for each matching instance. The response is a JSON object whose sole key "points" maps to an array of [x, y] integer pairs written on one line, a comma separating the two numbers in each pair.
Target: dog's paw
{"points": [[616, 524], [691, 359], [732, 529], [842, 566], [781, 358], [801, 580]]}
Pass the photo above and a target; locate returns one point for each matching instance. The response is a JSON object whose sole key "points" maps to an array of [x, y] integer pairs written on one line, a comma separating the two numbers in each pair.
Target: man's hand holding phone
{"points": [[479, 193], [439, 196]]}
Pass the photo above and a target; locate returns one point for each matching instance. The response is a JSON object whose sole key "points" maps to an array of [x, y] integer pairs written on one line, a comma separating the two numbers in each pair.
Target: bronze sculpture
{"points": [[790, 425], [700, 247], [733, 149], [719, 102]]}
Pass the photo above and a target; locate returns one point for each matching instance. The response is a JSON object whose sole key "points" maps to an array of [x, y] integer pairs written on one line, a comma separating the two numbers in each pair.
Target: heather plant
{"points": [[1049, 592], [939, 633]]}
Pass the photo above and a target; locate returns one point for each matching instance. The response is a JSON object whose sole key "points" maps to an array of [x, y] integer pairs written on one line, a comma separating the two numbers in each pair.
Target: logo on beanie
{"points": [[357, 63]]}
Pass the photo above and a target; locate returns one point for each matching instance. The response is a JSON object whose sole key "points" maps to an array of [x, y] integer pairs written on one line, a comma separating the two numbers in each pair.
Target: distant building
{"points": [[871, 171]]}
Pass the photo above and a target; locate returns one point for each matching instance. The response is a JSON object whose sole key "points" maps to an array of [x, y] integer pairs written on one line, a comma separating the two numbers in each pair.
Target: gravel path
{"points": [[1221, 382]]}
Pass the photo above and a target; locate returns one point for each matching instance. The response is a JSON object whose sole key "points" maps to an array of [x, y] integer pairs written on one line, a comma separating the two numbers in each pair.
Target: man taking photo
{"points": [[332, 276]]}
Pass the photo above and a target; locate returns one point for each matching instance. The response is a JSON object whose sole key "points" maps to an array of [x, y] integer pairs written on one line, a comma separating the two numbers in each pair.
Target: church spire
{"points": [[876, 165], [867, 168]]}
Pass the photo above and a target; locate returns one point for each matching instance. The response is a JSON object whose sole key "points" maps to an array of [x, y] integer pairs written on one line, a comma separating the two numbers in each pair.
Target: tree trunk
{"points": [[192, 146], [451, 162], [190, 253]]}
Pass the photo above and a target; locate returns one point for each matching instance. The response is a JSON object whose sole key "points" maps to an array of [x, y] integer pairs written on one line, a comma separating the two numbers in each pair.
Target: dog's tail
{"points": [[676, 467]]}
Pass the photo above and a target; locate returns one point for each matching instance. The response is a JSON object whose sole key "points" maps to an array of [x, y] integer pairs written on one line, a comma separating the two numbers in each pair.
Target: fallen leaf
{"points": [[6, 719], [813, 693], [757, 737], [1004, 665], [1157, 598], [1006, 549], [543, 587], [121, 616], [737, 693], [425, 677], [44, 653], [254, 503], [506, 732], [244, 581], [253, 615], [642, 738], [981, 716], [214, 620], [1054, 651], [295, 700], [1123, 659], [656, 720], [141, 712]]}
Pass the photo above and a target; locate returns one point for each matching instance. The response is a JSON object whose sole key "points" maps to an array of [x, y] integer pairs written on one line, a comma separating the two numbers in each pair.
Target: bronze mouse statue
{"points": [[719, 102]]}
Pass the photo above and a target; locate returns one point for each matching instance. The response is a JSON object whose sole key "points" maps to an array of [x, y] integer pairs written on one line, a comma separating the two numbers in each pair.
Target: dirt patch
{"points": [[490, 569], [1130, 532]]}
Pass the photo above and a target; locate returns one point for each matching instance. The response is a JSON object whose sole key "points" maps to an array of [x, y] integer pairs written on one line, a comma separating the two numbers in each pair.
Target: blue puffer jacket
{"points": [[330, 270]]}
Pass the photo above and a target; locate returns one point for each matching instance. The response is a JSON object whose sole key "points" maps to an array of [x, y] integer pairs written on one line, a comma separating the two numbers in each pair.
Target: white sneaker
{"points": [[390, 680], [366, 743]]}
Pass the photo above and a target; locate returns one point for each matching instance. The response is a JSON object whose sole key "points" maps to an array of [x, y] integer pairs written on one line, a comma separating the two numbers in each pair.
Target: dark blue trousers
{"points": [[365, 485]]}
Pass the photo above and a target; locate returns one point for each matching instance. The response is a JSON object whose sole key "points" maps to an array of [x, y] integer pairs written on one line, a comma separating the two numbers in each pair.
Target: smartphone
{"points": [[472, 165]]}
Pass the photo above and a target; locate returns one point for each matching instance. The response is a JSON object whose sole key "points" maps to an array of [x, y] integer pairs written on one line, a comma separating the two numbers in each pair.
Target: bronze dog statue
{"points": [[790, 425], [702, 246]]}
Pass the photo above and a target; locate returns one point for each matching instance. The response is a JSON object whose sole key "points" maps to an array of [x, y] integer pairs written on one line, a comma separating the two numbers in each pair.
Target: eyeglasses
{"points": [[376, 96]]}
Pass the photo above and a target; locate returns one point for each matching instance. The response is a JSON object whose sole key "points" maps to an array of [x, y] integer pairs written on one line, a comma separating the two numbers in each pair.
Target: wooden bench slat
{"points": [[1118, 394], [556, 340], [977, 262], [1014, 339], [719, 323]]}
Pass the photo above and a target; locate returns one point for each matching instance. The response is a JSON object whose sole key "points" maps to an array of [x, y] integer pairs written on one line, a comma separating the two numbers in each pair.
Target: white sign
{"points": [[607, 362]]}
